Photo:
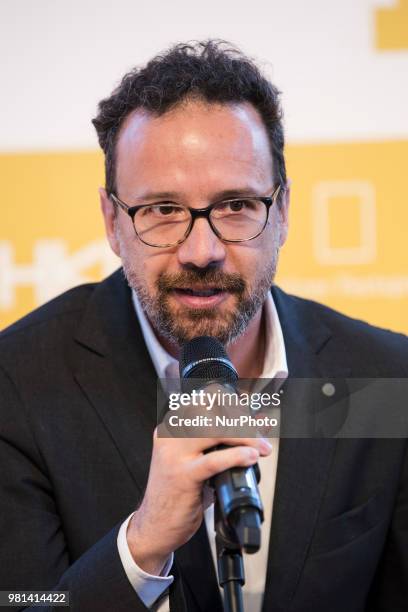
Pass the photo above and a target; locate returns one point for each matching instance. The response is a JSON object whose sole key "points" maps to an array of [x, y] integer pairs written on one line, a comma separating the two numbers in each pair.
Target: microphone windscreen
{"points": [[205, 357]]}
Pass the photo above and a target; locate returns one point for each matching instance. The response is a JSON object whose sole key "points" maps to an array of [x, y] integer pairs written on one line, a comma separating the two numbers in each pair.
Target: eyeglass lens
{"points": [[166, 224]]}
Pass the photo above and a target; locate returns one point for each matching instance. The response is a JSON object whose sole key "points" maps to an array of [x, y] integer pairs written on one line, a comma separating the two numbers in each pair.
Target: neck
{"points": [[246, 353]]}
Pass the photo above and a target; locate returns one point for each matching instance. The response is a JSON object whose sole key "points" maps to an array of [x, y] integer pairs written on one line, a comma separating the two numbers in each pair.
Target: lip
{"points": [[195, 301]]}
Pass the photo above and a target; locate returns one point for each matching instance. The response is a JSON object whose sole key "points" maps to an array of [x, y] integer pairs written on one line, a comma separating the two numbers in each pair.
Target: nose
{"points": [[202, 247]]}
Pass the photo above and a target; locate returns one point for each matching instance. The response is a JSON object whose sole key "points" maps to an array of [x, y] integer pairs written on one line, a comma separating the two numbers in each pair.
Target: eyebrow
{"points": [[220, 195]]}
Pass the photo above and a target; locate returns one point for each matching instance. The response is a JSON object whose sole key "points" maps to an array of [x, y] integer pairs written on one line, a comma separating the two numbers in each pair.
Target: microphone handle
{"points": [[239, 504]]}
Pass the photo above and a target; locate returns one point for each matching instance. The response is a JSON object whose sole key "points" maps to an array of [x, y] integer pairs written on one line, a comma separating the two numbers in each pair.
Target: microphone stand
{"points": [[231, 575], [241, 530]]}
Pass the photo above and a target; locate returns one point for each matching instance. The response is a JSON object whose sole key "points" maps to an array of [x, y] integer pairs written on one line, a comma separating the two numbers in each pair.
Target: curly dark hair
{"points": [[213, 71]]}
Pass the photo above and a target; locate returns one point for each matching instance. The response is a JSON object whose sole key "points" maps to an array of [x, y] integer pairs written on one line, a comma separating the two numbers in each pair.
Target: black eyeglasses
{"points": [[167, 224]]}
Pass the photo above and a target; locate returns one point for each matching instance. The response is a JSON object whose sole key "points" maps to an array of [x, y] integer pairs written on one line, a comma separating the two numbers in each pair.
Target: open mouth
{"points": [[200, 297], [208, 292]]}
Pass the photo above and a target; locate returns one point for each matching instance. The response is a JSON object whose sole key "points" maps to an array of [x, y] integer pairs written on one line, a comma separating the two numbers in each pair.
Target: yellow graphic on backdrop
{"points": [[346, 247], [392, 27], [335, 202], [51, 233]]}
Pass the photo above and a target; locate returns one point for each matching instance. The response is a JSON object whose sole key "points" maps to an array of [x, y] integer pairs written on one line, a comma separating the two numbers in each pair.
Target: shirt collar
{"points": [[166, 366]]}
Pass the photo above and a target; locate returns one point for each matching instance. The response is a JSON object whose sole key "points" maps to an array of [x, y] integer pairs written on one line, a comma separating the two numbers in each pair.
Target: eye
{"points": [[162, 210], [166, 210], [236, 206]]}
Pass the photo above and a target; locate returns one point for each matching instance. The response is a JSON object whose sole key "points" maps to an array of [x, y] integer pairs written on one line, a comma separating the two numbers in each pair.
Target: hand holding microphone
{"points": [[203, 361], [171, 510]]}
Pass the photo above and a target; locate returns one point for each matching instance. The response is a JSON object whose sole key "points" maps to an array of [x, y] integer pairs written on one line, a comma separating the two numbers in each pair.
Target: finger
{"points": [[208, 465], [194, 446], [262, 445]]}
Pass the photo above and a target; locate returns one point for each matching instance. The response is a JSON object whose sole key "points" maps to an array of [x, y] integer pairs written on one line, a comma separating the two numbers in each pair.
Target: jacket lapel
{"points": [[303, 464], [197, 567], [114, 371]]}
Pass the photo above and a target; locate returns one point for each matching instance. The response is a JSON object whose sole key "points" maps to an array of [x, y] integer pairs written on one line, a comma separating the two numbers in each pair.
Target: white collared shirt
{"points": [[149, 588]]}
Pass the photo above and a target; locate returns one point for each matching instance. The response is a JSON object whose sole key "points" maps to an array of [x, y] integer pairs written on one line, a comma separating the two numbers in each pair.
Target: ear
{"points": [[284, 214], [109, 217]]}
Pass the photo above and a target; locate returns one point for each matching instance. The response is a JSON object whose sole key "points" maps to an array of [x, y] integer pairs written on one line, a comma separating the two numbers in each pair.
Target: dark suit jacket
{"points": [[78, 404]]}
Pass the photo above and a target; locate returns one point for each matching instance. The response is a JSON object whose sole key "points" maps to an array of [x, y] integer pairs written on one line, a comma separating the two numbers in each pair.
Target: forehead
{"points": [[196, 142]]}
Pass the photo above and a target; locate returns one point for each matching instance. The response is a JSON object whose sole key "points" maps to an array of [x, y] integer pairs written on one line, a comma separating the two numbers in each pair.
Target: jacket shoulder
{"points": [[382, 351], [62, 311], [355, 329]]}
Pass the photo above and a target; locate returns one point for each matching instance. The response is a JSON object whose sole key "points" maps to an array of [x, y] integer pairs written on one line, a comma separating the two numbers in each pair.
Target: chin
{"points": [[204, 322]]}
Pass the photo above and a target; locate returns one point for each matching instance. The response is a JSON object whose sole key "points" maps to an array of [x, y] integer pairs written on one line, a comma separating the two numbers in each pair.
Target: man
{"points": [[196, 206]]}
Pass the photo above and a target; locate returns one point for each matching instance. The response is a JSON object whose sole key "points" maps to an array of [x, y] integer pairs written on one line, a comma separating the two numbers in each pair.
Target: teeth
{"points": [[203, 293]]}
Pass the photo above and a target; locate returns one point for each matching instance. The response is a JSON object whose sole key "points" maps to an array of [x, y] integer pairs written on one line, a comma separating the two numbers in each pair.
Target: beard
{"points": [[179, 324]]}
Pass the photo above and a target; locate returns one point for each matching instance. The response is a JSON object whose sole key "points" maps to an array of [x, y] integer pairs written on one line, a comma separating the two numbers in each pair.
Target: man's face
{"points": [[195, 155]]}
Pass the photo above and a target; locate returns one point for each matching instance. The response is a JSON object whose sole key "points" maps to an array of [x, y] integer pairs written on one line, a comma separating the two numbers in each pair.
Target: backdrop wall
{"points": [[342, 68]]}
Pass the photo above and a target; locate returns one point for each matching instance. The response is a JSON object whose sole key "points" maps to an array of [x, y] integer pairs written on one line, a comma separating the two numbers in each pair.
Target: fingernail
{"points": [[253, 454], [266, 445]]}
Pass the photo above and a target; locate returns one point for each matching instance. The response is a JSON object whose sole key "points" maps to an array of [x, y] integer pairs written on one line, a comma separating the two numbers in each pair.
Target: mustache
{"points": [[206, 277]]}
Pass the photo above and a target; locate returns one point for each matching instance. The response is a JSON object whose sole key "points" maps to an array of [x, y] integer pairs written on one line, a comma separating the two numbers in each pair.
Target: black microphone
{"points": [[204, 361]]}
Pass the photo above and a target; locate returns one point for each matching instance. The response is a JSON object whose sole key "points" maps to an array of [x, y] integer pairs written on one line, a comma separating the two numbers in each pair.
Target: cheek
{"points": [[270, 239], [247, 258], [125, 238], [259, 257], [152, 264], [132, 254]]}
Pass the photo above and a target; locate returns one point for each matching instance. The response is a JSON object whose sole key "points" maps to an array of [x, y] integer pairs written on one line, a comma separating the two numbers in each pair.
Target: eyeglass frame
{"points": [[195, 213]]}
